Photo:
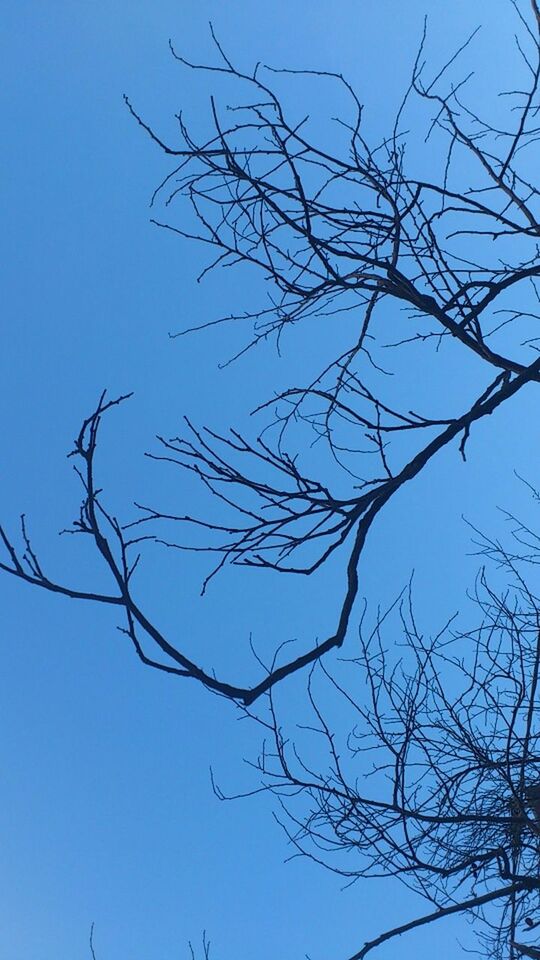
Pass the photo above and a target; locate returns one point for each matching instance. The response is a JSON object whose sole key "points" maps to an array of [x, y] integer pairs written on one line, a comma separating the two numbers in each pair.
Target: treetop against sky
{"points": [[363, 374]]}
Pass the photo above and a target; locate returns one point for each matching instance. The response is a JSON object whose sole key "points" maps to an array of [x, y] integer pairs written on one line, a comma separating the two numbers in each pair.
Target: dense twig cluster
{"points": [[438, 784]]}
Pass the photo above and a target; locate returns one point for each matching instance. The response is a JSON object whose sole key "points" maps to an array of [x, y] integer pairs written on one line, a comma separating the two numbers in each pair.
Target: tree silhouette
{"points": [[434, 265], [436, 781], [398, 269]]}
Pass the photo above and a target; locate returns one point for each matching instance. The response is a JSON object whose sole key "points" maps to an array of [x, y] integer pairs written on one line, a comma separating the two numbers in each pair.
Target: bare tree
{"points": [[398, 263], [437, 783], [443, 265]]}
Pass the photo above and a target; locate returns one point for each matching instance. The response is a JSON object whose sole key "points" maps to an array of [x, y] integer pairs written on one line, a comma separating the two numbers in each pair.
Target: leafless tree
{"points": [[442, 265], [438, 260], [438, 782]]}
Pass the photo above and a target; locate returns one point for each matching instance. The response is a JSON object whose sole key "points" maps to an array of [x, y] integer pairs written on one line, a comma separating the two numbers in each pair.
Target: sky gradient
{"points": [[106, 809]]}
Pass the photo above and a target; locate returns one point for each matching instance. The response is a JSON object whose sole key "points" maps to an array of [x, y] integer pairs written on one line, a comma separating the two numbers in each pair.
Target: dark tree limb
{"points": [[466, 905]]}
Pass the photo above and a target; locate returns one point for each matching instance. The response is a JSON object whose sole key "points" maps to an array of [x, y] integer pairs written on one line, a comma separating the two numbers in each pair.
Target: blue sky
{"points": [[106, 809]]}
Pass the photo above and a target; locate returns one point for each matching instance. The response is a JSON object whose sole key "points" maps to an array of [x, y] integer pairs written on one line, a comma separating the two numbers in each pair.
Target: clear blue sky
{"points": [[106, 810]]}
